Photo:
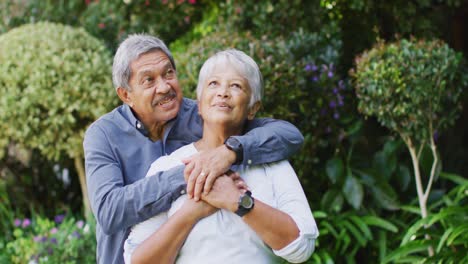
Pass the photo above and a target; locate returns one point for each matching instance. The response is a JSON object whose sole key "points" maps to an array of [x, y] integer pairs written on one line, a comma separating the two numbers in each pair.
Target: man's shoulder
{"points": [[188, 104], [109, 123]]}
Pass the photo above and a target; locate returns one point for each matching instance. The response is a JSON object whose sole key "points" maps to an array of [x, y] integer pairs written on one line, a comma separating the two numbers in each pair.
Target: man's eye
{"points": [[170, 73], [148, 80]]}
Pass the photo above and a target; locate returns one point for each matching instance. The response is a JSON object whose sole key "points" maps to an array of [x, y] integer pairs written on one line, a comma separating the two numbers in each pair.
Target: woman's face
{"points": [[225, 98]]}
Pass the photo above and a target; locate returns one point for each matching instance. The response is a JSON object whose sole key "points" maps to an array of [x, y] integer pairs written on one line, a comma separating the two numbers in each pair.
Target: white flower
{"points": [[127, 1]]}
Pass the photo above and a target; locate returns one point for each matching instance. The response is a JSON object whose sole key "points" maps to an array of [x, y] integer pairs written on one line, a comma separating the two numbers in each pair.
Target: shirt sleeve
{"points": [[116, 205], [291, 199], [269, 140]]}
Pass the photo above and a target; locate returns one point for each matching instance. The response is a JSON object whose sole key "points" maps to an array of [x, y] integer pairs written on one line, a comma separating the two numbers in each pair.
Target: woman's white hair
{"points": [[242, 63], [129, 50]]}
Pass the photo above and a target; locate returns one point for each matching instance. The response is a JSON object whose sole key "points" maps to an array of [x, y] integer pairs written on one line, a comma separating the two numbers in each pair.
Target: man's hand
{"points": [[202, 169]]}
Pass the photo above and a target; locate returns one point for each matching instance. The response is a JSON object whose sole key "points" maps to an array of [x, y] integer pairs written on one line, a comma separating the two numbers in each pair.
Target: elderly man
{"points": [[153, 121]]}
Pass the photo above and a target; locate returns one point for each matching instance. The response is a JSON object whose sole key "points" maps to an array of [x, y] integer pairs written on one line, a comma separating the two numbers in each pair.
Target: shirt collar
{"points": [[138, 125]]}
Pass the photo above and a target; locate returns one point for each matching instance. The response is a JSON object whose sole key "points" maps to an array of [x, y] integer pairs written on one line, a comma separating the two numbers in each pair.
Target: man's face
{"points": [[155, 95]]}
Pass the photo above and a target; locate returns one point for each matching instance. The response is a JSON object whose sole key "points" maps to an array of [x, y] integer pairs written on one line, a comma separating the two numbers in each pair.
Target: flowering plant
{"points": [[41, 240]]}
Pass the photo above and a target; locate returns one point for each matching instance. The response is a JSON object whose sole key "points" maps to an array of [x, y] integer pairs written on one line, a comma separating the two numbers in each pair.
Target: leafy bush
{"points": [[413, 88], [40, 240], [109, 21], [57, 80], [343, 235]]}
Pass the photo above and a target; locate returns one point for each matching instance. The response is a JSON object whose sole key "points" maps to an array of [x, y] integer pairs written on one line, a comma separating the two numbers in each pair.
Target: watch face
{"points": [[246, 201]]}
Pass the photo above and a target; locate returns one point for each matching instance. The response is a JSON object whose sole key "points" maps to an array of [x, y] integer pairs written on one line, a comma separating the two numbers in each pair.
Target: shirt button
{"points": [[182, 191], [249, 162], [138, 125]]}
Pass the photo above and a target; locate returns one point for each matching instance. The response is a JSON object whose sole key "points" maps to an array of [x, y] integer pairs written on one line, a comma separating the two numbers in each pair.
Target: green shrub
{"points": [[413, 88], [40, 240], [55, 81]]}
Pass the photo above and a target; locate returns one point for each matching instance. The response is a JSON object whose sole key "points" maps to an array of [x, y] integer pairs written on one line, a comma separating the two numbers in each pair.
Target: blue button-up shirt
{"points": [[118, 153]]}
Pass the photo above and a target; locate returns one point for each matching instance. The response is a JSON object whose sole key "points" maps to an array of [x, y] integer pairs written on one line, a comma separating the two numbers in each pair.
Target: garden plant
{"points": [[412, 87]]}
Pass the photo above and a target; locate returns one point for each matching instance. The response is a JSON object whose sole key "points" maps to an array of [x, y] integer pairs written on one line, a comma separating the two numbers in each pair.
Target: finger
{"points": [[187, 160], [200, 182], [235, 176], [192, 180], [209, 182], [188, 170], [242, 185]]}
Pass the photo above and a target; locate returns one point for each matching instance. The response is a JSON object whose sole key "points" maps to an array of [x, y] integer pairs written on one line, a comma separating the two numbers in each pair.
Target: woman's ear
{"points": [[253, 110], [124, 95]]}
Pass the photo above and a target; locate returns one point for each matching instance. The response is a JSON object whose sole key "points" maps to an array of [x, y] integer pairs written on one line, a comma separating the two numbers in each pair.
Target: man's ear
{"points": [[253, 110], [124, 95]]}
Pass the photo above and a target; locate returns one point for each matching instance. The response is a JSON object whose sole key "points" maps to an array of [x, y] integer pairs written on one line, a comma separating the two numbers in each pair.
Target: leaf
{"points": [[403, 176], [354, 231], [384, 165], [385, 196], [330, 228], [454, 177], [463, 229], [335, 169], [410, 248], [332, 200], [443, 239], [379, 222], [362, 226], [353, 191]]}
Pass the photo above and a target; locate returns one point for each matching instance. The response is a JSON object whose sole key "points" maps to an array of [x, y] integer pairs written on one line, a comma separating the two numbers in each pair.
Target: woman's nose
{"points": [[223, 91]]}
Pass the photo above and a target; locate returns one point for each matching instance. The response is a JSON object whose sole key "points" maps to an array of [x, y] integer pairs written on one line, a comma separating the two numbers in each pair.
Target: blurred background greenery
{"points": [[352, 75]]}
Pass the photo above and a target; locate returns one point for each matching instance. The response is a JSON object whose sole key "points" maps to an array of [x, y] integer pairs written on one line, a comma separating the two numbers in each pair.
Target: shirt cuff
{"points": [[299, 250], [179, 187]]}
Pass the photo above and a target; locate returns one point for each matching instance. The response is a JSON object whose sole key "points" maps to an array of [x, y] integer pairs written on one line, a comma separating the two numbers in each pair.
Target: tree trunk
{"points": [[84, 190]]}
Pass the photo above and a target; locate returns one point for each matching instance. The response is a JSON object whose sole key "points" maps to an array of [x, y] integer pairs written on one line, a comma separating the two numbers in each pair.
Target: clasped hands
{"points": [[209, 179]]}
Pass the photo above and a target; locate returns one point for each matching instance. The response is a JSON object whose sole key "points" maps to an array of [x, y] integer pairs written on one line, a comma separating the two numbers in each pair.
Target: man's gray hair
{"points": [[129, 50], [242, 63]]}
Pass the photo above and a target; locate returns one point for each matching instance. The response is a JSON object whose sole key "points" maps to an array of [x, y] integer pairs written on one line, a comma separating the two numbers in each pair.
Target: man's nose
{"points": [[162, 86]]}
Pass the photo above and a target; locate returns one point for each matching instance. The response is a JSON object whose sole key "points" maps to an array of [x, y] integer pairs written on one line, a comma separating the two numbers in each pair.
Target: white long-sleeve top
{"points": [[224, 237]]}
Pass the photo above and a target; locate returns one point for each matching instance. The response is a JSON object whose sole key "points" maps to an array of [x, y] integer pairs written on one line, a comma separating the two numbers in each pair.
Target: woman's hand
{"points": [[197, 210], [225, 193]]}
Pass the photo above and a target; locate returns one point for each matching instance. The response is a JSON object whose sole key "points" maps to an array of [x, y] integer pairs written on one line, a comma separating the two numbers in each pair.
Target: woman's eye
{"points": [[212, 83], [236, 85]]}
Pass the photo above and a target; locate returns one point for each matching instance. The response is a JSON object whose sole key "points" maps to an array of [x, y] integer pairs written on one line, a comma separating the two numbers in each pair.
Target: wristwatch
{"points": [[235, 145], [246, 203]]}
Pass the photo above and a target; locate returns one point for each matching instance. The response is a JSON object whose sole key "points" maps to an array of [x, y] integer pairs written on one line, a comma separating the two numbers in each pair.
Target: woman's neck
{"points": [[214, 136]]}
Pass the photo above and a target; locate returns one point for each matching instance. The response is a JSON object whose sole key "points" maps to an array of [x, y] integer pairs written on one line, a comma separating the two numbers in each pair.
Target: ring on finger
{"points": [[202, 174]]}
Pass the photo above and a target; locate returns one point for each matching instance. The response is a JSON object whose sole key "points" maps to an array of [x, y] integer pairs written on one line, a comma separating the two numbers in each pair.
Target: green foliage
{"points": [[355, 178], [109, 21], [412, 87], [280, 17], [55, 81], [343, 235], [41, 240], [447, 228]]}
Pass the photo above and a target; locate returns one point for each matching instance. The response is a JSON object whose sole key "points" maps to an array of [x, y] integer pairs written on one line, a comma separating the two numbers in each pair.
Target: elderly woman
{"points": [[268, 222]]}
